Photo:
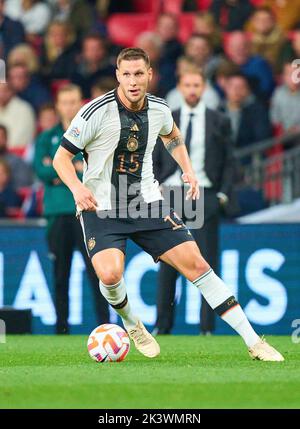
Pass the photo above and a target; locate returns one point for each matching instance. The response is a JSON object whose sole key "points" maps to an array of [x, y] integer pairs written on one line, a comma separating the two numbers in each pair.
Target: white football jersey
{"points": [[117, 146]]}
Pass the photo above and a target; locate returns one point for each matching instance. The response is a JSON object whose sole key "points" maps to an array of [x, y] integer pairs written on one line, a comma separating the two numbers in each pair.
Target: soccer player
{"points": [[117, 133]]}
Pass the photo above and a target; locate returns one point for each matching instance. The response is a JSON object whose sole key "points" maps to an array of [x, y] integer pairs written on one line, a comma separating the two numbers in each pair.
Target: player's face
{"points": [[134, 77], [191, 87], [67, 105]]}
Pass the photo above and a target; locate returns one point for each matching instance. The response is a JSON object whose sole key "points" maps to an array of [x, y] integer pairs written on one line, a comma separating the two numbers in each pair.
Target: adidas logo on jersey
{"points": [[134, 128]]}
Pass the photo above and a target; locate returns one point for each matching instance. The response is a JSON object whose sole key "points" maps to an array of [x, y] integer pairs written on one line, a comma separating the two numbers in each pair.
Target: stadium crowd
{"points": [[245, 47]]}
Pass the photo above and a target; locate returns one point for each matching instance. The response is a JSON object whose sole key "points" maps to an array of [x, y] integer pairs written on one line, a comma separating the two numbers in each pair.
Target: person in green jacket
{"points": [[64, 233]]}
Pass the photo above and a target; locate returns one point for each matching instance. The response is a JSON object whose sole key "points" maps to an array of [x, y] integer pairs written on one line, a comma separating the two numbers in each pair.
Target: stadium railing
{"points": [[271, 166]]}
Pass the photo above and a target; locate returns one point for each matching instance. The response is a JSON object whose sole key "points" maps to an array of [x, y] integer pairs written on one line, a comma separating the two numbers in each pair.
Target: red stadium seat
{"points": [[146, 6], [25, 192], [186, 21], [15, 213], [204, 4], [124, 28], [257, 3], [57, 84], [173, 6], [273, 187], [18, 151], [291, 35]]}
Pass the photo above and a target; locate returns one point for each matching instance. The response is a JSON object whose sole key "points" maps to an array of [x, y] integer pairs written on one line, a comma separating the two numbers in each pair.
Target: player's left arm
{"points": [[175, 145]]}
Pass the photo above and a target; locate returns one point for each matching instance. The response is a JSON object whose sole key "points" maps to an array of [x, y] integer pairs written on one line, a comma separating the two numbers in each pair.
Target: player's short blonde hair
{"points": [[130, 54]]}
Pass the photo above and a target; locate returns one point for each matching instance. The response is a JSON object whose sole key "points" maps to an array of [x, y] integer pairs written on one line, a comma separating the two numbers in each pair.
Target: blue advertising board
{"points": [[260, 263]]}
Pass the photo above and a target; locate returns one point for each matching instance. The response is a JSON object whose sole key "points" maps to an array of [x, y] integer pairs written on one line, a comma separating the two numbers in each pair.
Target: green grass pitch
{"points": [[191, 372]]}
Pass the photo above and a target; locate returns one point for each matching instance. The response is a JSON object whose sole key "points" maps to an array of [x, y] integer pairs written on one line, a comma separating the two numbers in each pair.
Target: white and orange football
{"points": [[108, 343]]}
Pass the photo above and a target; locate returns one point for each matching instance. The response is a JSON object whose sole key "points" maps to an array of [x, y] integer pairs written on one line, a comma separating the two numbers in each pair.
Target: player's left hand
{"points": [[194, 191]]}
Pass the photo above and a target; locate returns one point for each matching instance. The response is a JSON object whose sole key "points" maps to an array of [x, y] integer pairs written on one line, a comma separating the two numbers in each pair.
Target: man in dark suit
{"points": [[208, 139]]}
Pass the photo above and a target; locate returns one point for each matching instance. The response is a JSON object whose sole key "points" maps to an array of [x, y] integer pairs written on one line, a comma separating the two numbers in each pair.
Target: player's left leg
{"points": [[187, 259]]}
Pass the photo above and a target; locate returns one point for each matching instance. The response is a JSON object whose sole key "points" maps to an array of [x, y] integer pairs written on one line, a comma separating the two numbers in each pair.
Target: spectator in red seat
{"points": [[168, 28], [256, 68], [58, 52], [287, 12], [21, 171], [285, 102], [267, 38], [14, 111], [34, 15], [199, 49], [28, 86], [205, 25], [47, 117], [249, 117], [231, 15], [94, 63], [290, 50], [9, 199], [11, 32]]}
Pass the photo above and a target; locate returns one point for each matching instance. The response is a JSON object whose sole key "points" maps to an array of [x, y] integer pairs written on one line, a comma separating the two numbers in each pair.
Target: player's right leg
{"points": [[109, 267]]}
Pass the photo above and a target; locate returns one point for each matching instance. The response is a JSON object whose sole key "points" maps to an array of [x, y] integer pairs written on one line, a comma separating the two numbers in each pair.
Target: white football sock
{"points": [[220, 298], [117, 297]]}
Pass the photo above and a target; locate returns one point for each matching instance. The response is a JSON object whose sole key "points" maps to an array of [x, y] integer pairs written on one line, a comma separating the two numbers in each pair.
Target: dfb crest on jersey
{"points": [[91, 243], [132, 144]]}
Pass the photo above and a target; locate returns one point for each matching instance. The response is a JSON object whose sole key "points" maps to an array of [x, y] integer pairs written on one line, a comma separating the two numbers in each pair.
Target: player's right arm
{"points": [[64, 167]]}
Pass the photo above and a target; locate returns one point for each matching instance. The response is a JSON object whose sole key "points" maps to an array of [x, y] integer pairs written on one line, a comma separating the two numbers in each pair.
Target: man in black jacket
{"points": [[207, 136]]}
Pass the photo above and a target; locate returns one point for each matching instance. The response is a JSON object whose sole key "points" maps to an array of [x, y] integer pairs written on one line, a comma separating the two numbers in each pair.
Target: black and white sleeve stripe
{"points": [[65, 143]]}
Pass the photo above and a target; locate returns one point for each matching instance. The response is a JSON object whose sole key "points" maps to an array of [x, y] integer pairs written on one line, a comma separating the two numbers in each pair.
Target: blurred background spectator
{"points": [[21, 173], [24, 54], [28, 86], [35, 15], [267, 38], [199, 49], [93, 63], [47, 117], [9, 199], [18, 116], [287, 12], [285, 102], [58, 52], [77, 13], [290, 49], [168, 30], [11, 32], [248, 116], [231, 14], [102, 86], [205, 25], [256, 68]]}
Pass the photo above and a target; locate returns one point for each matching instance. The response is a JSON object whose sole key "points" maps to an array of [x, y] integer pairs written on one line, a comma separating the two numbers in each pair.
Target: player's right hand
{"points": [[84, 199]]}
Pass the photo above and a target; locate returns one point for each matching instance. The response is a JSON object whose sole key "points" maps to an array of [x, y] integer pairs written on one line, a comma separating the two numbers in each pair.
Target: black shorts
{"points": [[155, 235]]}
